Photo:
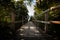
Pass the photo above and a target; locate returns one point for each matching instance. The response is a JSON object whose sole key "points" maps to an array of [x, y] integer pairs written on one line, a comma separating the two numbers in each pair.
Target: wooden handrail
{"points": [[48, 22], [55, 22]]}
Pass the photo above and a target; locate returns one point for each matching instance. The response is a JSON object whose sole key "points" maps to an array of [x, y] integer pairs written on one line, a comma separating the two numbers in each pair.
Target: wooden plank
{"points": [[55, 22]]}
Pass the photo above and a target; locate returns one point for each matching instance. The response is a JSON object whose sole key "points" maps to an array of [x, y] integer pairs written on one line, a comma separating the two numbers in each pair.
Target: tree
{"points": [[7, 8]]}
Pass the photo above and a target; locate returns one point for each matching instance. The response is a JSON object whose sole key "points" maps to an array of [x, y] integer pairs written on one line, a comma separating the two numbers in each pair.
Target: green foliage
{"points": [[21, 11], [54, 15], [6, 9], [19, 8], [45, 4], [37, 10]]}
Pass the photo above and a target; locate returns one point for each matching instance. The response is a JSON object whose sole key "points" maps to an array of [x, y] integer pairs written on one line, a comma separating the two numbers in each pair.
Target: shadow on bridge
{"points": [[30, 31]]}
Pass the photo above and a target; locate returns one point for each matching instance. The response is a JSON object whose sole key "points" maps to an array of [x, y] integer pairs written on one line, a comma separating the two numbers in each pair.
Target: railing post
{"points": [[22, 20], [13, 20], [46, 25]]}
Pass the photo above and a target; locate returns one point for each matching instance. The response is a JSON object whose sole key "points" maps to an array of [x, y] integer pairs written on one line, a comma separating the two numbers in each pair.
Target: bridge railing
{"points": [[46, 22]]}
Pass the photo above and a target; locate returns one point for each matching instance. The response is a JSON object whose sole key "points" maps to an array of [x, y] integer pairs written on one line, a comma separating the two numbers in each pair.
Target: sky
{"points": [[31, 8]]}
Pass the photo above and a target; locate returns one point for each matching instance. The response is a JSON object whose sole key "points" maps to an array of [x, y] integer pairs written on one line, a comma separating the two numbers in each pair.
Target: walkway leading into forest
{"points": [[30, 31]]}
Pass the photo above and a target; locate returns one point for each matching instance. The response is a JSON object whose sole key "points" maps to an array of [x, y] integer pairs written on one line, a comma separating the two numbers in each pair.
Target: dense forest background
{"points": [[14, 14]]}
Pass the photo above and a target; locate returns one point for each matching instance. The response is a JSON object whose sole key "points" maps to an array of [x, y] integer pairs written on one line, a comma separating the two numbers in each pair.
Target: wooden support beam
{"points": [[55, 22], [13, 20], [46, 25]]}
